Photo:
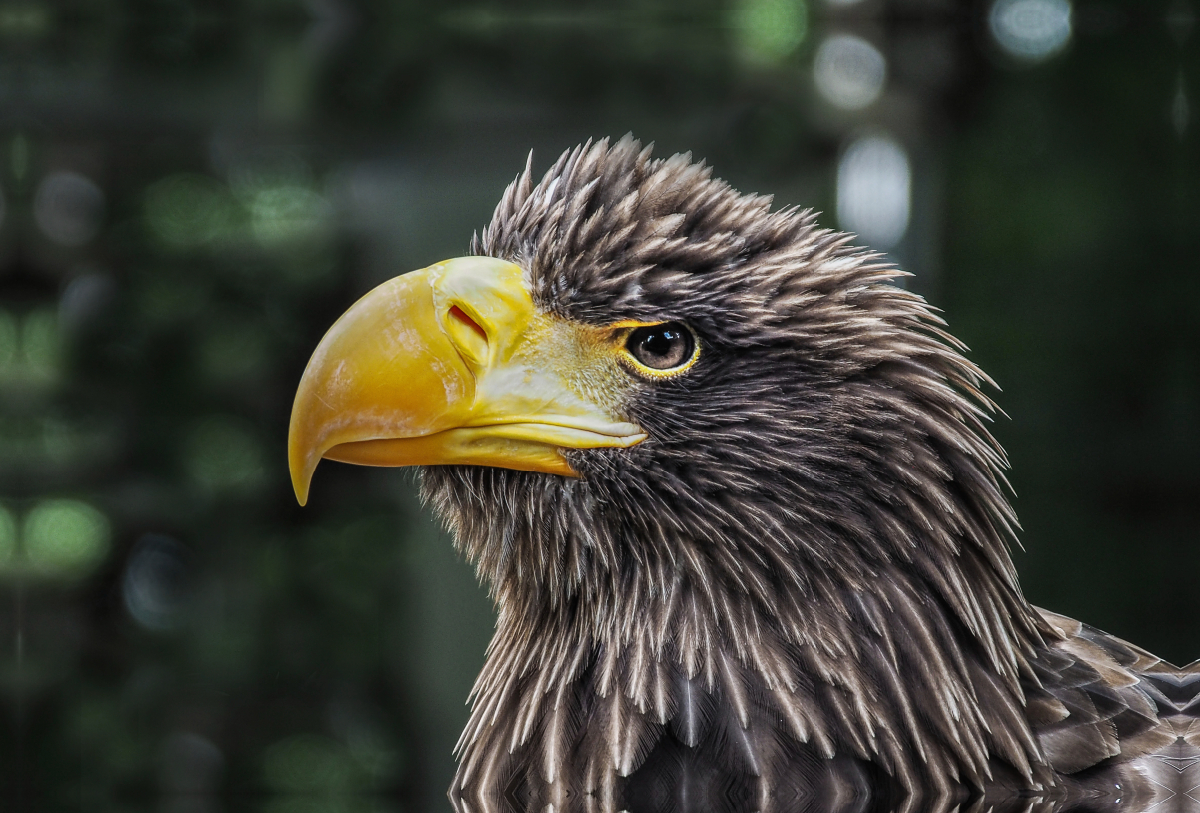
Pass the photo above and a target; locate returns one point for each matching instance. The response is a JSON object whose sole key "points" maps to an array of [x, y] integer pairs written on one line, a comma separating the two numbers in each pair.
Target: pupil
{"points": [[659, 344]]}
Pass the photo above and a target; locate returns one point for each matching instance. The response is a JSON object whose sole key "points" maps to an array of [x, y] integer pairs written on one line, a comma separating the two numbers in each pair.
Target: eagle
{"points": [[735, 498]]}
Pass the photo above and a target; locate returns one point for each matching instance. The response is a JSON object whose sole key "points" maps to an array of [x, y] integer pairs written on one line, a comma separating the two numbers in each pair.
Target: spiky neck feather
{"points": [[822, 480]]}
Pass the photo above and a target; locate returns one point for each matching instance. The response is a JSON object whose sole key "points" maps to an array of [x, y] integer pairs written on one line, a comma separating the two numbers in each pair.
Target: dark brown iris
{"points": [[662, 347]]}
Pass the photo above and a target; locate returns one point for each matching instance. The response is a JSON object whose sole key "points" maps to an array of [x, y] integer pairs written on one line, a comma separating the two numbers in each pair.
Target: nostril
{"points": [[458, 313], [468, 335]]}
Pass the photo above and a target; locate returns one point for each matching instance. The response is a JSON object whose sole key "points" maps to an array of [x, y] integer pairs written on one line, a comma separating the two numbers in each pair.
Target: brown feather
{"points": [[801, 580]]}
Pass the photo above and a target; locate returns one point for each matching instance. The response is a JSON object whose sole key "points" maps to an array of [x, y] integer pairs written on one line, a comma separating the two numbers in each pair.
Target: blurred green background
{"points": [[191, 191]]}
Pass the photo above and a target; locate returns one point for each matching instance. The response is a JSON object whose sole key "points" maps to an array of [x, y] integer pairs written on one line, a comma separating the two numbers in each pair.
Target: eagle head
{"points": [[697, 448], [643, 373]]}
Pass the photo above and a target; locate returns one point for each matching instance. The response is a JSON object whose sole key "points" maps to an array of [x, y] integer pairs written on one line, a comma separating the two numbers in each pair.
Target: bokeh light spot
{"points": [[154, 585], [85, 298], [286, 214], [849, 72], [65, 537], [874, 183], [68, 208], [1032, 30], [770, 29]]}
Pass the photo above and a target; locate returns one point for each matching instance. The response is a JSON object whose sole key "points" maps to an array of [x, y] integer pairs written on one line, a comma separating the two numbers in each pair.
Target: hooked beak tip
{"points": [[301, 469]]}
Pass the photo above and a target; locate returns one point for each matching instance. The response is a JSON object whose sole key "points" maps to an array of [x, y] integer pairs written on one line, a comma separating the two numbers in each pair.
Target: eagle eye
{"points": [[663, 347]]}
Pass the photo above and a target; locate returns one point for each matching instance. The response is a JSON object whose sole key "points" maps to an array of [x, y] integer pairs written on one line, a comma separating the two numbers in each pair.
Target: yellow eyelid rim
{"points": [[621, 331]]}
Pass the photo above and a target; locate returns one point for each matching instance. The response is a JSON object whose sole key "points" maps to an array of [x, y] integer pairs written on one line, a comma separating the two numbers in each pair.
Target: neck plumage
{"points": [[915, 665]]}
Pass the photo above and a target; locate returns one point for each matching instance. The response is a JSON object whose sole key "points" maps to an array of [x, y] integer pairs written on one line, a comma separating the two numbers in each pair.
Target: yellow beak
{"points": [[452, 364]]}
